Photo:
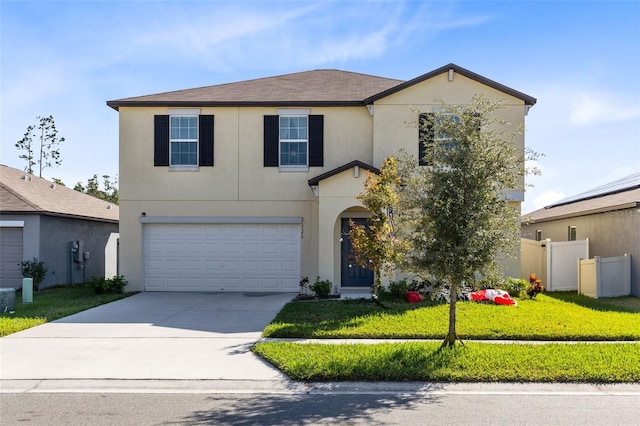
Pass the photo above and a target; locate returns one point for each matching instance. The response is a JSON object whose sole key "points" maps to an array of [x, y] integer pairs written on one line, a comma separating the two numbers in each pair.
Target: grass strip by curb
{"points": [[51, 304], [474, 362]]}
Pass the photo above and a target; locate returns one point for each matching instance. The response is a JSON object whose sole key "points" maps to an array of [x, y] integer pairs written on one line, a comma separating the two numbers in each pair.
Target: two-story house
{"points": [[248, 186]]}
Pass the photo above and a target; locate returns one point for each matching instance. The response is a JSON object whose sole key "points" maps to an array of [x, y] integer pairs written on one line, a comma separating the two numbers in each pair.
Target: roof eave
{"points": [[57, 214], [528, 100], [117, 104], [356, 163]]}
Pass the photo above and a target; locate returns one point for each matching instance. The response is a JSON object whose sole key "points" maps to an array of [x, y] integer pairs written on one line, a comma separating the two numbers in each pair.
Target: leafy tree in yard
{"points": [[454, 212], [109, 193], [375, 245], [48, 150]]}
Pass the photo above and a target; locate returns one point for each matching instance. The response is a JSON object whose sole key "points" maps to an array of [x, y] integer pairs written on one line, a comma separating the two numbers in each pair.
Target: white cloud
{"points": [[598, 107]]}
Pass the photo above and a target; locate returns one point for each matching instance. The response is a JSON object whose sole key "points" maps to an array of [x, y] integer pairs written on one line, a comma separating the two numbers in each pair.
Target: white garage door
{"points": [[222, 257], [10, 257]]}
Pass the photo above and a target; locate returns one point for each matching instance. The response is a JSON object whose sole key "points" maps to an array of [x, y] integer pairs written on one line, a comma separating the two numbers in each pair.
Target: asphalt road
{"points": [[344, 409]]}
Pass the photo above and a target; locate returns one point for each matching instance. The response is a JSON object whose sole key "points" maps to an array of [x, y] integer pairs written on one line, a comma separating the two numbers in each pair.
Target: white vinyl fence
{"points": [[605, 276], [553, 262]]}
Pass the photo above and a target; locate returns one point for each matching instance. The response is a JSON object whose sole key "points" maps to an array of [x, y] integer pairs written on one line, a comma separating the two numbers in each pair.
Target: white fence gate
{"points": [[605, 276], [553, 262]]}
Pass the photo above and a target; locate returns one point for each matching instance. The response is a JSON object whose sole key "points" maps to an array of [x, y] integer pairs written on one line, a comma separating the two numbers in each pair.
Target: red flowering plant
{"points": [[535, 286]]}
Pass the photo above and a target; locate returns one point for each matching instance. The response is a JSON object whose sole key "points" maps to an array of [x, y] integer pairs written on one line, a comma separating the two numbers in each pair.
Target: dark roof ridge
{"points": [[337, 170], [528, 100]]}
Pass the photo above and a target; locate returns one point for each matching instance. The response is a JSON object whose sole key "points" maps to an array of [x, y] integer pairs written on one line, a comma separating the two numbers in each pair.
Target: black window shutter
{"points": [[316, 140], [161, 140], [205, 140], [271, 140], [425, 136]]}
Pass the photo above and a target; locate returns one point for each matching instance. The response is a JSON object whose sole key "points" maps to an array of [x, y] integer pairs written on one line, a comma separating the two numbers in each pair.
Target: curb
{"points": [[288, 387], [494, 342]]}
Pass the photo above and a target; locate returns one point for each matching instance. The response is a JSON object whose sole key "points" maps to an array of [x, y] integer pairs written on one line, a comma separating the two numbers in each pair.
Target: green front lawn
{"points": [[554, 316], [51, 304]]}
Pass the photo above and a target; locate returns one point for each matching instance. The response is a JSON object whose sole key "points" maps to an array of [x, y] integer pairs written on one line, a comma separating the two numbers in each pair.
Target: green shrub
{"points": [[321, 288], [103, 285], [33, 269], [399, 288], [515, 287], [491, 281]]}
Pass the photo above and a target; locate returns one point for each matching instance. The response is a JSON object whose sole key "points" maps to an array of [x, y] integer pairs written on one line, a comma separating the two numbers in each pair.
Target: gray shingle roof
{"points": [[303, 88], [624, 184], [618, 195], [308, 88], [23, 193]]}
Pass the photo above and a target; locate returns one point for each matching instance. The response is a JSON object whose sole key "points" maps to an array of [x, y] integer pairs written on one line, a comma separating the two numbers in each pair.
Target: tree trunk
{"points": [[377, 283], [452, 336]]}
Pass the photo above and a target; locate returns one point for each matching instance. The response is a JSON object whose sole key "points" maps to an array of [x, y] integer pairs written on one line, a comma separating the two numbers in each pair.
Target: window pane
{"points": [[184, 153], [293, 128], [293, 154], [184, 127]]}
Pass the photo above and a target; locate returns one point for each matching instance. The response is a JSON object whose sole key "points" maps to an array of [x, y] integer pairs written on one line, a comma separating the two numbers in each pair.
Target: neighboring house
{"points": [[609, 216], [249, 186], [43, 220]]}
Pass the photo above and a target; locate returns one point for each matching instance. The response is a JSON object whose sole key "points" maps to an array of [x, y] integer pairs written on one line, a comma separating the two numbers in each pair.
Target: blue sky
{"points": [[580, 59]]}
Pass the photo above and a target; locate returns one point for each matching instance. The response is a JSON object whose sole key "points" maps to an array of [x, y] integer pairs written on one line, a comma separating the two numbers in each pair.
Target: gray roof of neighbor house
{"points": [[309, 88], [620, 194], [22, 193]]}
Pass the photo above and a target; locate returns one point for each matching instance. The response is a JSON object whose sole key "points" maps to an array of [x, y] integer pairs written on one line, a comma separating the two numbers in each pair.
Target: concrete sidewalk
{"points": [[146, 337]]}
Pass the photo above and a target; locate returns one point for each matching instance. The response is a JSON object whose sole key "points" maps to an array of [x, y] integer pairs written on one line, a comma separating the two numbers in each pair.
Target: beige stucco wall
{"points": [[610, 234], [396, 115], [239, 185]]}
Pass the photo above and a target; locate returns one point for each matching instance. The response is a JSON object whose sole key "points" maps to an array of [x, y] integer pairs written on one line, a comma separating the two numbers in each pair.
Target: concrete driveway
{"points": [[149, 336]]}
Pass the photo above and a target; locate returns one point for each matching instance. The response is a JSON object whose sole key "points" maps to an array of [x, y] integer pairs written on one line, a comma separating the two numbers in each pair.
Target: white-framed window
{"points": [[571, 233], [441, 137], [538, 234], [431, 136], [294, 141], [183, 140]]}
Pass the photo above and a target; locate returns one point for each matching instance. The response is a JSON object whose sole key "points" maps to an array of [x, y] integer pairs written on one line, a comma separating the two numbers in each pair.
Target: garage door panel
{"points": [[250, 250], [222, 257], [290, 249], [250, 266], [270, 283], [288, 265], [232, 248], [11, 243]]}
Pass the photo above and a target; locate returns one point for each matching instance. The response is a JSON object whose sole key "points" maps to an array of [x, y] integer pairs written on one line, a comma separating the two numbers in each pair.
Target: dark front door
{"points": [[352, 275]]}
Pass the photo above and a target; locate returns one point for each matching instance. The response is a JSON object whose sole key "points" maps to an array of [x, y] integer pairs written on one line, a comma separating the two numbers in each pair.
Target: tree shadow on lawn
{"points": [[614, 304]]}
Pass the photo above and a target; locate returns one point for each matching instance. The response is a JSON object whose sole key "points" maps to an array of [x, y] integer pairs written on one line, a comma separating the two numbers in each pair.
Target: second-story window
{"points": [[294, 140], [183, 140]]}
